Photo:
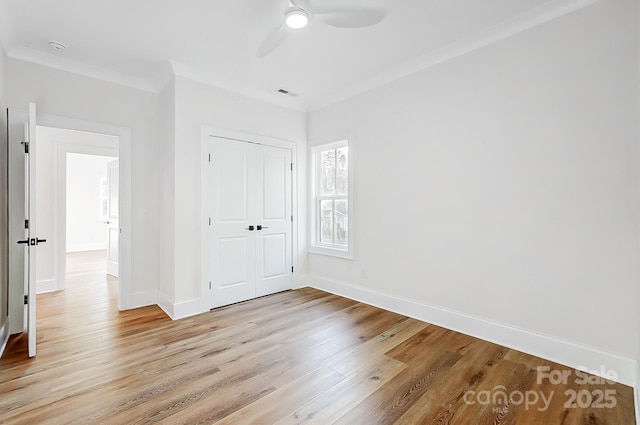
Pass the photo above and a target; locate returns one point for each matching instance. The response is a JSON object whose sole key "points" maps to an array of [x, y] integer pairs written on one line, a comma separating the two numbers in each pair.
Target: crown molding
{"points": [[204, 77], [165, 73], [75, 67], [538, 16]]}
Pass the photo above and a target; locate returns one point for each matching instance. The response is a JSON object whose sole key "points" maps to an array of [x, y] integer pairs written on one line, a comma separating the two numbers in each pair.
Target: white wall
{"points": [[64, 94], [167, 139], [503, 184], [196, 105], [4, 239], [86, 228]]}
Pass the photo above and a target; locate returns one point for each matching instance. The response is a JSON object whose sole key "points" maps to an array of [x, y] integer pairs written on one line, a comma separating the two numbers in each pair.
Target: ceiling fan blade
{"points": [[300, 4], [358, 18], [272, 42]]}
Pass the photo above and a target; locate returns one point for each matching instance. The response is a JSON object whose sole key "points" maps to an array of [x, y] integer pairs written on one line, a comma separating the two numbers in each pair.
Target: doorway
{"points": [[91, 215], [70, 193], [69, 130]]}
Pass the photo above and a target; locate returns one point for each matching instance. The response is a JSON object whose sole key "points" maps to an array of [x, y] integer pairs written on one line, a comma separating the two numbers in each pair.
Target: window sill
{"points": [[331, 252]]}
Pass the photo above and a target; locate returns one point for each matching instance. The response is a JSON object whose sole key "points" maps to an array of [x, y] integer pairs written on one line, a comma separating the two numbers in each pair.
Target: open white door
{"points": [[31, 240], [113, 220]]}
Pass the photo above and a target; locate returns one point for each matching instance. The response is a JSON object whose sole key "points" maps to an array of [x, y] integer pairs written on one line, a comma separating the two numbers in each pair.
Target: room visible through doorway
{"points": [[91, 214]]}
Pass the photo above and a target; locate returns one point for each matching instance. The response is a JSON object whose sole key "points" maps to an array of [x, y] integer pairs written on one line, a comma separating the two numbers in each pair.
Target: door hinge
{"points": [[291, 269], [209, 221], [209, 157], [209, 284], [292, 166], [26, 147], [26, 224], [292, 219], [26, 299]]}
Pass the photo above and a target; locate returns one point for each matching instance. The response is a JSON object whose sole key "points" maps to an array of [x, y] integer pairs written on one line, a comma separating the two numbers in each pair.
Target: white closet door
{"points": [[274, 226], [247, 194], [232, 242]]}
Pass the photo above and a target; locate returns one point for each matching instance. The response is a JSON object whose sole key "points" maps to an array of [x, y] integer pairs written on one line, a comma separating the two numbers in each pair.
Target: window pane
{"points": [[342, 222], [326, 221], [342, 170], [328, 172], [331, 193]]}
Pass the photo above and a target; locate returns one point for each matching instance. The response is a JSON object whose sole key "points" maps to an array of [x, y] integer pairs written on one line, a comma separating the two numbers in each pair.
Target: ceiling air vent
{"points": [[287, 92]]}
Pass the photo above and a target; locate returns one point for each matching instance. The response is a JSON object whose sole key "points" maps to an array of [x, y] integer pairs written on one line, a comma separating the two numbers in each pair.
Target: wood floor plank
{"points": [[505, 378], [344, 396], [442, 402], [295, 357], [282, 402], [372, 349], [389, 403]]}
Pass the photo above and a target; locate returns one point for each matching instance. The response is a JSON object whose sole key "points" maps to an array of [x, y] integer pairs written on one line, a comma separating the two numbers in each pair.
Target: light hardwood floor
{"points": [[296, 357]]}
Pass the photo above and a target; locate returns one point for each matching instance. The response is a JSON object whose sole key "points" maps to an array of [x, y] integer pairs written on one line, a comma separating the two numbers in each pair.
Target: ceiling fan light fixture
{"points": [[296, 18]]}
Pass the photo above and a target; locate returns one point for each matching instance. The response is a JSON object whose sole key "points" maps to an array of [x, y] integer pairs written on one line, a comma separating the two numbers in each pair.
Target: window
{"points": [[332, 184]]}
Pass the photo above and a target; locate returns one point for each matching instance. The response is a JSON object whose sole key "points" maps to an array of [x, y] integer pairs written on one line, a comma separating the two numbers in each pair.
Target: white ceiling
{"points": [[141, 42]]}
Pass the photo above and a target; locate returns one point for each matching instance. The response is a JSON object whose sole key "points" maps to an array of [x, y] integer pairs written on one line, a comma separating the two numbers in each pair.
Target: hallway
{"points": [[78, 313]]}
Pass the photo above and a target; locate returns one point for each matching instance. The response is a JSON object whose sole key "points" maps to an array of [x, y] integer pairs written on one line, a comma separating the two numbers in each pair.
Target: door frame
{"points": [[124, 155], [16, 306], [112, 266], [205, 134]]}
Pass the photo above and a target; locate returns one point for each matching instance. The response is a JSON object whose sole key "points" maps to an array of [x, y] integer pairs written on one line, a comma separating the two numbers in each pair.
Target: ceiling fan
{"points": [[299, 13]]}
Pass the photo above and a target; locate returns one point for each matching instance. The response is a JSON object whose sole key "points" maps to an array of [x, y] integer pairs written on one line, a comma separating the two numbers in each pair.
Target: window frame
{"points": [[315, 246]]}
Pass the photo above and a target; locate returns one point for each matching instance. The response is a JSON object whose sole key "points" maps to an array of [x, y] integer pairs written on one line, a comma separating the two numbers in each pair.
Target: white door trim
{"points": [[124, 154], [205, 134], [113, 220]]}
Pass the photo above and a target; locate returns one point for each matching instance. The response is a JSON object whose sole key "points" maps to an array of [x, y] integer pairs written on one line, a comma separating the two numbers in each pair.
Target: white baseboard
{"points": [[143, 299], [87, 247], [545, 346], [300, 281], [186, 308], [4, 336], [182, 309], [43, 286], [166, 305]]}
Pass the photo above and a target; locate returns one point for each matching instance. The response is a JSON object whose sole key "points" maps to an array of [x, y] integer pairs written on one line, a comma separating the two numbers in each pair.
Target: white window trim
{"points": [[314, 246]]}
